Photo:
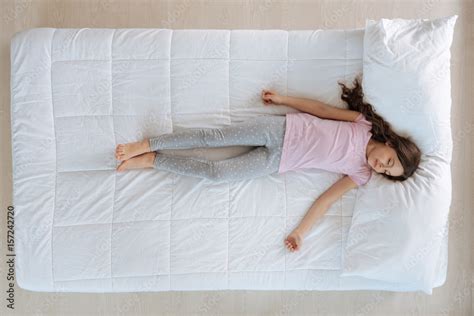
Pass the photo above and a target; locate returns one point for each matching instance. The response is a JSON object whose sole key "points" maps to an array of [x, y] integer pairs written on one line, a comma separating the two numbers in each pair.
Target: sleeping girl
{"points": [[354, 142]]}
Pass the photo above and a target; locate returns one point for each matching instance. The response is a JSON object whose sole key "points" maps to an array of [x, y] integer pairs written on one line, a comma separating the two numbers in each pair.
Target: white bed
{"points": [[82, 227]]}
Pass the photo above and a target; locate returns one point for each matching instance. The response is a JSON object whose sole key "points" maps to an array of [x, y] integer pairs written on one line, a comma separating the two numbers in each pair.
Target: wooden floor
{"points": [[454, 298]]}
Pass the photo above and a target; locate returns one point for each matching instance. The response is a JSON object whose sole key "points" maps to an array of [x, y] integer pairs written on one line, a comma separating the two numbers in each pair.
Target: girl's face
{"points": [[383, 159]]}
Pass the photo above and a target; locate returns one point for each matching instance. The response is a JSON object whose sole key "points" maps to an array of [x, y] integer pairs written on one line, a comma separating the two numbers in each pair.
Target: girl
{"points": [[353, 141]]}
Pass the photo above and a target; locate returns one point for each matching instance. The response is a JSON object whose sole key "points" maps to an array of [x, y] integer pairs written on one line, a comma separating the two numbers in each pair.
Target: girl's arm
{"points": [[320, 109], [320, 206]]}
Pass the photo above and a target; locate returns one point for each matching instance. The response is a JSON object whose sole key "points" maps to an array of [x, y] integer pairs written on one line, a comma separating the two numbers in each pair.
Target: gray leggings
{"points": [[265, 133]]}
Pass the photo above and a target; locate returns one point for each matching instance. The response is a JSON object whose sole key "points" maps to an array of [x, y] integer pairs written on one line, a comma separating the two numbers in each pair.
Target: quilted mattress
{"points": [[80, 226]]}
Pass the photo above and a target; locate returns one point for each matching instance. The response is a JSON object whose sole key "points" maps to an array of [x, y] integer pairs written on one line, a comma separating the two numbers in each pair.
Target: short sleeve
{"points": [[360, 119], [361, 178]]}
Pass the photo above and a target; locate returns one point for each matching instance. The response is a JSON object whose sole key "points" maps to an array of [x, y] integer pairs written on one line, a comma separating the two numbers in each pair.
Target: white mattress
{"points": [[82, 227]]}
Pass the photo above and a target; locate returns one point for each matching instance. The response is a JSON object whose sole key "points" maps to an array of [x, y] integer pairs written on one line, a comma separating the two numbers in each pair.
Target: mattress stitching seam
{"points": [[115, 173], [56, 161], [229, 184], [173, 176], [342, 218], [203, 58]]}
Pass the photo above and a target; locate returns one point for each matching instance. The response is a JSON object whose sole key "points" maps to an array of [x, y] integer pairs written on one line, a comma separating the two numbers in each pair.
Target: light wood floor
{"points": [[454, 298]]}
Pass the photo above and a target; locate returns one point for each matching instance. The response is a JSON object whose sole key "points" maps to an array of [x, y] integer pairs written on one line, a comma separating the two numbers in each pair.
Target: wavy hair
{"points": [[407, 151]]}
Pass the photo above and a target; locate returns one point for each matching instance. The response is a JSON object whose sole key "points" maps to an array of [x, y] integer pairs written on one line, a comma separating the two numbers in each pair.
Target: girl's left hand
{"points": [[294, 241]]}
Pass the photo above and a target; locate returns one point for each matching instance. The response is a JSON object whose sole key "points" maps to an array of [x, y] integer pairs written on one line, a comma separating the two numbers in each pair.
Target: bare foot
{"points": [[294, 241], [138, 162], [127, 151]]}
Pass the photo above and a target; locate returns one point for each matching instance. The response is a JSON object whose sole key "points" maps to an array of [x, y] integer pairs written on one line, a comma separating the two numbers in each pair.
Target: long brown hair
{"points": [[407, 151]]}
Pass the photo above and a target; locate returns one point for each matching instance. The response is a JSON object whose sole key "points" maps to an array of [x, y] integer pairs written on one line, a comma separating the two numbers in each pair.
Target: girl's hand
{"points": [[271, 97], [294, 241]]}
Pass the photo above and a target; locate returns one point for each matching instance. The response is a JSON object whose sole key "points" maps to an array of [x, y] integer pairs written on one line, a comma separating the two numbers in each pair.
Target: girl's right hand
{"points": [[271, 97]]}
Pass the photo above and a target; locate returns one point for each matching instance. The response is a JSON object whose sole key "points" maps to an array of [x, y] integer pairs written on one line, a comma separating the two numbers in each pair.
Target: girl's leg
{"points": [[258, 162], [253, 132]]}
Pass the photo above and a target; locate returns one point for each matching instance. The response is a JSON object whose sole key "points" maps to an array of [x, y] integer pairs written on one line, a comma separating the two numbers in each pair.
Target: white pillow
{"points": [[397, 227], [407, 78]]}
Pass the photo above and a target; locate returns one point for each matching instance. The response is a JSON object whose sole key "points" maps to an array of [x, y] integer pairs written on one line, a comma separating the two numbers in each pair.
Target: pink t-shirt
{"points": [[332, 145]]}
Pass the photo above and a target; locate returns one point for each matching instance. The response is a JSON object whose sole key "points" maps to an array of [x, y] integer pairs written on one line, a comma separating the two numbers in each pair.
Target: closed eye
{"points": [[386, 172]]}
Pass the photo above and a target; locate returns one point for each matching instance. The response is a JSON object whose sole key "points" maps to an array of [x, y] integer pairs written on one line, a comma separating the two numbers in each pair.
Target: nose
{"points": [[379, 164]]}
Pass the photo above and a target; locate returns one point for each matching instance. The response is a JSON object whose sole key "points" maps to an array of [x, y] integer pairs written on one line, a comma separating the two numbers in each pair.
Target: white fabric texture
{"points": [[406, 77], [83, 227]]}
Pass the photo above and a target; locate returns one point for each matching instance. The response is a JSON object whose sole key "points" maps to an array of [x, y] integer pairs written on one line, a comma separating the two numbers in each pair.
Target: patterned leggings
{"points": [[265, 133]]}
